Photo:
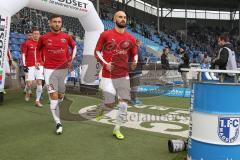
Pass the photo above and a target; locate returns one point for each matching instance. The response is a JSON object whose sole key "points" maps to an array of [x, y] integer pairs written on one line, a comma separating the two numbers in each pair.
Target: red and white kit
{"points": [[32, 57], [115, 48], [56, 56]]}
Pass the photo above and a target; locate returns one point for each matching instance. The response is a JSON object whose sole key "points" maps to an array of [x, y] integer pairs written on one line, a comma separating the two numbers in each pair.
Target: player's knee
{"points": [[29, 84], [53, 104], [109, 105], [54, 96]]}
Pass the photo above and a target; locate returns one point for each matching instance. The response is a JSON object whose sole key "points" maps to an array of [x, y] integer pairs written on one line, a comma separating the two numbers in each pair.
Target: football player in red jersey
{"points": [[32, 62], [113, 50], [22, 47], [57, 59], [29, 37]]}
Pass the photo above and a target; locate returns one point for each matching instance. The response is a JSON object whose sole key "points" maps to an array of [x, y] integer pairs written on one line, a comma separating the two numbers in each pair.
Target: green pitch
{"points": [[27, 133]]}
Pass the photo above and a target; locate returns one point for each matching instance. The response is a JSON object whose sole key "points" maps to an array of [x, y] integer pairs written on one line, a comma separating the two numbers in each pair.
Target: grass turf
{"points": [[27, 133]]}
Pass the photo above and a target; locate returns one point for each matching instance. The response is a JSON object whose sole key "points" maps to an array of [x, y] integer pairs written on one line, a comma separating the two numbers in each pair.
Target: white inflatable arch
{"points": [[81, 9]]}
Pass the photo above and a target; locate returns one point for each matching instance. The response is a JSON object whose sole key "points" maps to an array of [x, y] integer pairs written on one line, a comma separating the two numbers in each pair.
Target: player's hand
{"points": [[133, 66], [37, 66], [70, 66], [25, 69], [109, 66], [214, 60]]}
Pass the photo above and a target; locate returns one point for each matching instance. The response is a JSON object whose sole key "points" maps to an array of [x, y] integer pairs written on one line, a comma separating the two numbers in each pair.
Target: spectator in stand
{"points": [[226, 59], [165, 63], [184, 64], [164, 58], [206, 59]]}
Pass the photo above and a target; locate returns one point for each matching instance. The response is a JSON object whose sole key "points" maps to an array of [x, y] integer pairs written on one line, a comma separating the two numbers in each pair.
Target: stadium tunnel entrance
{"points": [[82, 9]]}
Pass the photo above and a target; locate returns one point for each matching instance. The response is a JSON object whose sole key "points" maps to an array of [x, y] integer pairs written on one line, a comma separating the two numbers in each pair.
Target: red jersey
{"points": [[29, 48], [22, 47], [116, 48], [55, 49]]}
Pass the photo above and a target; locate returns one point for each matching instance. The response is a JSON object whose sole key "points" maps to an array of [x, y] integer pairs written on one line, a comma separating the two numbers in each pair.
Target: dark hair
{"points": [[224, 37], [165, 49], [28, 31], [35, 28], [55, 16], [179, 50]]}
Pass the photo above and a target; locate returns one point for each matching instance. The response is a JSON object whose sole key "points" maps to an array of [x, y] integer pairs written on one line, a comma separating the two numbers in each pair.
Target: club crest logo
{"points": [[49, 41], [228, 129], [126, 45], [63, 40]]}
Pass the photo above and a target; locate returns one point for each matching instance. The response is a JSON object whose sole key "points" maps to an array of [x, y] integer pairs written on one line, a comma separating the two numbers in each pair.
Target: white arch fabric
{"points": [[81, 9]]}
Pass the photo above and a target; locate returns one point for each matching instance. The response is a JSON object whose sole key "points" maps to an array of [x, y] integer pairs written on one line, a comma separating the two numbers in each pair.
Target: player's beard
{"points": [[56, 29], [121, 24]]}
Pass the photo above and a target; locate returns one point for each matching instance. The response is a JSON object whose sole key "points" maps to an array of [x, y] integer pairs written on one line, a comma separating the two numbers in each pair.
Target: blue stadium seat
{"points": [[15, 47], [13, 35], [78, 57], [13, 41], [21, 40], [16, 55], [22, 36]]}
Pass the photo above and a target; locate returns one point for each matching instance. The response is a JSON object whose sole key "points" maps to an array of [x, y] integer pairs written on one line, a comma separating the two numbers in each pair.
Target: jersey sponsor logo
{"points": [[125, 45], [228, 129], [121, 48], [56, 51]]}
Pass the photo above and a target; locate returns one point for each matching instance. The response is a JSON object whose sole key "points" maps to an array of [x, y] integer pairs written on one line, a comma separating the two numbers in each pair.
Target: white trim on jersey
{"points": [[35, 56], [74, 53], [136, 58], [99, 54], [24, 59]]}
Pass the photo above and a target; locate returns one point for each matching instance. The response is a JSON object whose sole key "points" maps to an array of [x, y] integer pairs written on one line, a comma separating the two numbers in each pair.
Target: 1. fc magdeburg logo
{"points": [[228, 129]]}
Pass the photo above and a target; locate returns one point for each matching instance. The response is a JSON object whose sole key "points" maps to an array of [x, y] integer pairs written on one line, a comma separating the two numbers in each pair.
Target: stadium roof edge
{"points": [[222, 5]]}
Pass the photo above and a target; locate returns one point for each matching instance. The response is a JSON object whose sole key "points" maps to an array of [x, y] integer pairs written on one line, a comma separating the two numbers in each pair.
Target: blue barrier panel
{"points": [[165, 90]]}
